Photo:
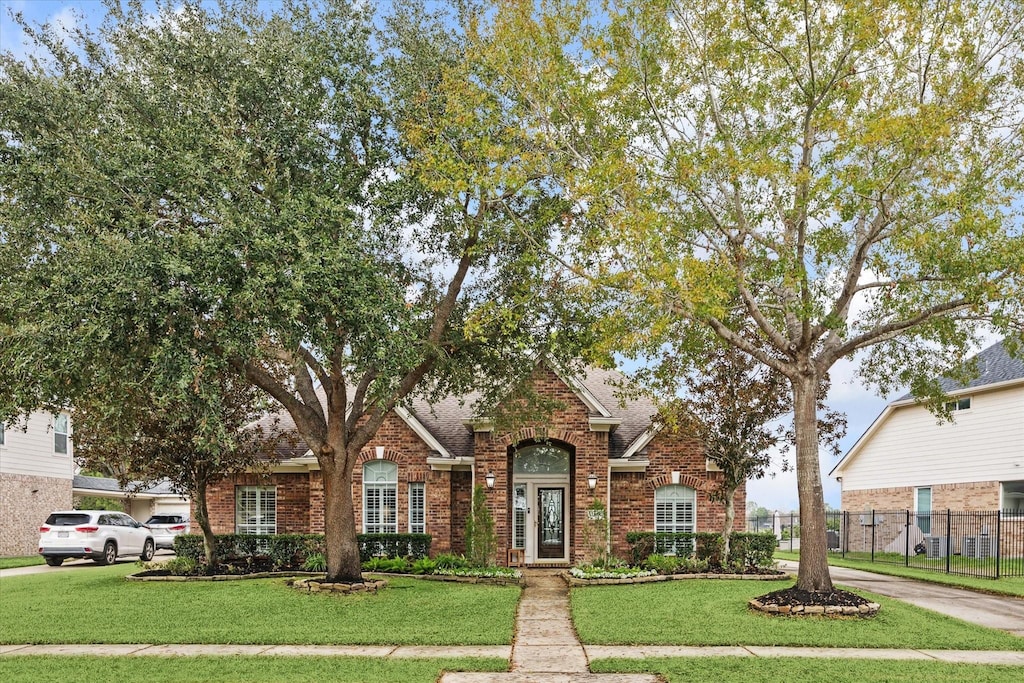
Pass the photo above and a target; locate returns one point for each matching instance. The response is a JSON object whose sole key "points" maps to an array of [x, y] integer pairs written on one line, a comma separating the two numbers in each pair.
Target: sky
{"points": [[779, 492]]}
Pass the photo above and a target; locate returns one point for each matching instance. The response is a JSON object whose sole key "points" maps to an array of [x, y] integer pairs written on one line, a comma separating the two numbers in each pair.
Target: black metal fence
{"points": [[985, 544]]}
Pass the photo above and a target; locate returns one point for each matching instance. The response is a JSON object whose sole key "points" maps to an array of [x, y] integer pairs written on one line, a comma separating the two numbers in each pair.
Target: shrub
{"points": [[412, 546], [316, 562], [424, 565], [481, 541], [663, 564], [290, 551], [392, 565], [182, 566], [746, 549], [448, 561]]}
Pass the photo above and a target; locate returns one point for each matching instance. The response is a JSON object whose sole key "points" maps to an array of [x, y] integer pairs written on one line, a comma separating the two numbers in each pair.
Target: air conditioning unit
{"points": [[935, 546], [978, 547]]}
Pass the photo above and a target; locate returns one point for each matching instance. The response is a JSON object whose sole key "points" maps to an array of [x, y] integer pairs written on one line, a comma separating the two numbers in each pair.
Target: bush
{"points": [[448, 561], [663, 564], [182, 566], [315, 563], [745, 549], [481, 541], [424, 565], [290, 551], [394, 565]]}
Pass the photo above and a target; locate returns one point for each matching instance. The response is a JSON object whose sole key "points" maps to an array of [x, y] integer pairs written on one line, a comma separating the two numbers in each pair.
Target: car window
{"points": [[67, 519], [107, 520], [125, 520], [165, 519]]}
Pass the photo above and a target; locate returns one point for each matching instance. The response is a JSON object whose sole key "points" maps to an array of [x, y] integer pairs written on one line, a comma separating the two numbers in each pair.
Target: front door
{"points": [[551, 523]]}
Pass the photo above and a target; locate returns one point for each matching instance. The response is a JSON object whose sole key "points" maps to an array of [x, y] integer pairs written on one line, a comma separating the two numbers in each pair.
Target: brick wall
{"points": [[25, 503], [982, 495], [293, 495], [632, 504]]}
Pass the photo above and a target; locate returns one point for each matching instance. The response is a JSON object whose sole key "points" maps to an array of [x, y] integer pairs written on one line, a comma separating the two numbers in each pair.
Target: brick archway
{"points": [[368, 454], [539, 434], [695, 483]]}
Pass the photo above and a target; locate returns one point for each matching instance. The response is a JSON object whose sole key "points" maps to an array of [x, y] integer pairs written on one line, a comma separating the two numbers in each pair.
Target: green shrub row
{"points": [[291, 551], [745, 549]]}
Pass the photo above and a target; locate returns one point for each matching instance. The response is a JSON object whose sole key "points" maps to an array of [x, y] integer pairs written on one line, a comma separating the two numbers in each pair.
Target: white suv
{"points": [[98, 534]]}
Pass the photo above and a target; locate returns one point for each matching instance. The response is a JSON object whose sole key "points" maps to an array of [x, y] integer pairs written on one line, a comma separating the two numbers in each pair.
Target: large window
{"points": [[380, 497], [675, 509], [255, 510], [417, 508], [60, 434]]}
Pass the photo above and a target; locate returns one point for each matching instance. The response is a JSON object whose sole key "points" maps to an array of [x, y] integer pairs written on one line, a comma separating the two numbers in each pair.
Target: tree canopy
{"points": [[336, 215], [804, 180]]}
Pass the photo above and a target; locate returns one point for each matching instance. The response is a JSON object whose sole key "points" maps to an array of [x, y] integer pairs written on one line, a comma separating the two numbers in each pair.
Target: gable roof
{"points": [[995, 367], [103, 486]]}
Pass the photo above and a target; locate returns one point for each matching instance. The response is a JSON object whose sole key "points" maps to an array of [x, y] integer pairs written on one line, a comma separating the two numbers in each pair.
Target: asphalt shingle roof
{"points": [[994, 365], [81, 481]]}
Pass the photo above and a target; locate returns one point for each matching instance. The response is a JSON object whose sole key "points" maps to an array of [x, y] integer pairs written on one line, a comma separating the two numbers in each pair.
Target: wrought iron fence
{"points": [[968, 543]]}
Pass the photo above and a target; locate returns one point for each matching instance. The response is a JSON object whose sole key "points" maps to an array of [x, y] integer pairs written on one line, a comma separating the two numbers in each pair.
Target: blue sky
{"points": [[779, 492]]}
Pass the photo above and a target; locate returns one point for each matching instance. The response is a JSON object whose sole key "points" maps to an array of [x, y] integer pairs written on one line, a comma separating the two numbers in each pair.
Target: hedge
{"points": [[291, 550], [745, 548]]}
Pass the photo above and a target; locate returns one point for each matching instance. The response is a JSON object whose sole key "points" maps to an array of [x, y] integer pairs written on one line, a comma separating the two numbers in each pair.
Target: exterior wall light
{"points": [[592, 481], [489, 479]]}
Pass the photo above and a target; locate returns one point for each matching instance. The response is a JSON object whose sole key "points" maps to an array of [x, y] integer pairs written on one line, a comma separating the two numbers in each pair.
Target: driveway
{"points": [[78, 565], [1002, 612]]}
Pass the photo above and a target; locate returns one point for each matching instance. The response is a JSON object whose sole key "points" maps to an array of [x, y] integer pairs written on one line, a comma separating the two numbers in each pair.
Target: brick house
{"points": [[418, 474], [907, 460]]}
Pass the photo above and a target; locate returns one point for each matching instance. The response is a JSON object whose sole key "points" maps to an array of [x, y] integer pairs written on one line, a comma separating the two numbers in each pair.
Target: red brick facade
{"points": [[448, 490]]}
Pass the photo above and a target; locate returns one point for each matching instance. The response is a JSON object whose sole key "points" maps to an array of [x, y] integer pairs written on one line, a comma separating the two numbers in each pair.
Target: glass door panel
{"points": [[551, 525]]}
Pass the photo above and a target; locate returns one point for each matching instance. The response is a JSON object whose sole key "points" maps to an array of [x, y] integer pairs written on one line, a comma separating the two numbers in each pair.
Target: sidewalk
{"points": [[1002, 612]]}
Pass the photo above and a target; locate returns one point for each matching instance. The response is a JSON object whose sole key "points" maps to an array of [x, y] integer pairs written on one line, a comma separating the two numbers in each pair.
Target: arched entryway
{"points": [[541, 501]]}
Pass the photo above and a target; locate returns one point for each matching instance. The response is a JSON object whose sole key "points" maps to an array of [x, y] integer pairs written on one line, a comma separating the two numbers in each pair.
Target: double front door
{"points": [[539, 521]]}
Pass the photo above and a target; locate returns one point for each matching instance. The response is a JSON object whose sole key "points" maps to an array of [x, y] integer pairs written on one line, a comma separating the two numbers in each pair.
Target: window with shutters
{"points": [[417, 508], [675, 510], [380, 497], [255, 510]]}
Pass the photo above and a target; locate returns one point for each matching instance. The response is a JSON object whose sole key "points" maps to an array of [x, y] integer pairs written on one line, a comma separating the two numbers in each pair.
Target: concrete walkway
{"points": [[1002, 612]]}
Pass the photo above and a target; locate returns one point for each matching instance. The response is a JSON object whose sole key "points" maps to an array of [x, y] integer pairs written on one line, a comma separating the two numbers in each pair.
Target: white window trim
{"points": [[422, 487], [382, 486], [65, 434], [954, 404], [260, 492], [693, 525], [918, 513]]}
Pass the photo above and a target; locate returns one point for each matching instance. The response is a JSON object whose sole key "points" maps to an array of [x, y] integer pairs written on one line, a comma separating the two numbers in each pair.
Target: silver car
{"points": [[101, 535], [166, 527]]}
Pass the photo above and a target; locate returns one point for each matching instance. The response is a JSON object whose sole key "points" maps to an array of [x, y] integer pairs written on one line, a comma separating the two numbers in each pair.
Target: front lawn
{"points": [[25, 561], [799, 669], [1005, 585], [265, 669], [96, 605], [715, 612]]}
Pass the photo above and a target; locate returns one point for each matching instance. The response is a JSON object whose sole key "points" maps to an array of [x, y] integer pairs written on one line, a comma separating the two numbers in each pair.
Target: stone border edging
{"points": [[574, 581], [221, 577], [491, 580], [868, 610], [311, 585]]}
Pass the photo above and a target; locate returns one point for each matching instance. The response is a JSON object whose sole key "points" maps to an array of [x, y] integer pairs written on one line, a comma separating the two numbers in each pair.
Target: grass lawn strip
{"points": [[703, 613], [108, 609], [1006, 585], [16, 669], [792, 670], [15, 562]]}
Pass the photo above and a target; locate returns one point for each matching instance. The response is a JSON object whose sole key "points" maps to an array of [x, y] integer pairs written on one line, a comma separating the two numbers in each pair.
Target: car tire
{"points": [[147, 551], [54, 561], [109, 555]]}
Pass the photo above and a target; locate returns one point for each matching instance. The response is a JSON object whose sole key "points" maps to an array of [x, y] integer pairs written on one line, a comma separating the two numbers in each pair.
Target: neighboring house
{"points": [[36, 468], [140, 503], [418, 474], [906, 460]]}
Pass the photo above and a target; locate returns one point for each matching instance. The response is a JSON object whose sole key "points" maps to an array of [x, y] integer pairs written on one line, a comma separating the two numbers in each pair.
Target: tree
{"points": [[278, 194], [733, 406], [193, 441], [851, 170]]}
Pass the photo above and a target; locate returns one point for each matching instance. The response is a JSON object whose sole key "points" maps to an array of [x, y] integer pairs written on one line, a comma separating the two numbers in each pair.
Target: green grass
{"points": [[715, 612], [798, 670], [14, 562], [1006, 585], [96, 604], [61, 669]]}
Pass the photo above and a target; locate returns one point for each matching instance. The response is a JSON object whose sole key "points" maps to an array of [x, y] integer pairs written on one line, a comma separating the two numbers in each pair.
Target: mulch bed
{"points": [[834, 603]]}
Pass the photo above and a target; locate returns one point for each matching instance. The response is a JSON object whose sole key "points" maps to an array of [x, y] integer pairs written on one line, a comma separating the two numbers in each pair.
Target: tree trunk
{"points": [[730, 516], [203, 517], [813, 575], [340, 545]]}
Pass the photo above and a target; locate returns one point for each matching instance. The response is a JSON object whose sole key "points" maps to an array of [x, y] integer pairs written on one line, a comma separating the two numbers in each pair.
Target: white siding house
{"points": [[907, 459], [36, 468]]}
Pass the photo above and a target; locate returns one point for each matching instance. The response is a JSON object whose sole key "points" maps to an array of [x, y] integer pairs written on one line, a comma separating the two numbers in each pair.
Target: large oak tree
{"points": [[338, 216], [850, 169]]}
